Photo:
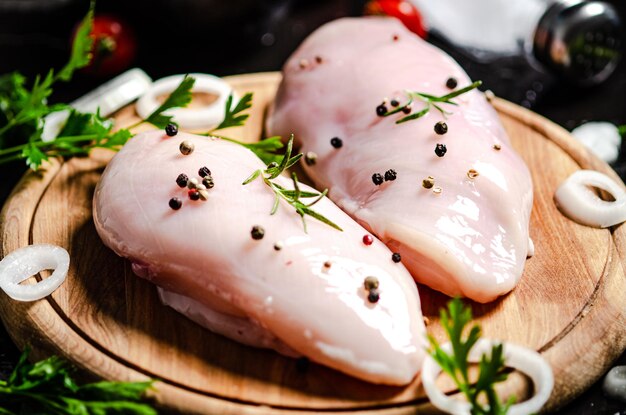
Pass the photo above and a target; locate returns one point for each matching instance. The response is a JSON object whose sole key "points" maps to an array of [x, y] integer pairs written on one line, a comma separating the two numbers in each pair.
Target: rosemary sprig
{"points": [[292, 197], [234, 117], [454, 320], [431, 101]]}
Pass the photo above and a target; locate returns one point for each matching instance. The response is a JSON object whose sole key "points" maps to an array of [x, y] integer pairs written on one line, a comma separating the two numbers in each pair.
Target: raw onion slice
{"points": [[525, 360], [578, 201], [25, 262], [188, 118]]}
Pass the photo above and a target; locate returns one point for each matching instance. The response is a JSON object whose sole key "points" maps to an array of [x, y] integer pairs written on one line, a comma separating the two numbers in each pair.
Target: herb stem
{"points": [[65, 139]]}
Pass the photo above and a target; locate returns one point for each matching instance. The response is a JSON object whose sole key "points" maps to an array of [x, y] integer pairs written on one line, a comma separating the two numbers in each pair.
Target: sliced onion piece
{"points": [[525, 360], [188, 118], [578, 201], [25, 262]]}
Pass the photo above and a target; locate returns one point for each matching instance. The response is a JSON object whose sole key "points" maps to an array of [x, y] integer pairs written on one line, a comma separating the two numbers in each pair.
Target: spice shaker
{"points": [[574, 40]]}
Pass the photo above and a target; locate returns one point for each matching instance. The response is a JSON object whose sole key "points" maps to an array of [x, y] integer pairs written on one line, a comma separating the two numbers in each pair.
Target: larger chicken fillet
{"points": [[459, 217], [258, 278]]}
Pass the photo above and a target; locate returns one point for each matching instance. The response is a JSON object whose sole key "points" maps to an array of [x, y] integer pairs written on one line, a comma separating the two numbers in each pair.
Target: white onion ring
{"points": [[525, 360], [25, 262], [188, 118], [579, 202]]}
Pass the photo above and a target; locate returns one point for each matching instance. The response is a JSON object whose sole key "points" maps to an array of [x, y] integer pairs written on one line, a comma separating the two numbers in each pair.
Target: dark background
{"points": [[242, 36]]}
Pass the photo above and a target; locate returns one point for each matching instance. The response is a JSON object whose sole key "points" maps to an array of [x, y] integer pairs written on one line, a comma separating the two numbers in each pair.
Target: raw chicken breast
{"points": [[210, 268], [469, 239]]}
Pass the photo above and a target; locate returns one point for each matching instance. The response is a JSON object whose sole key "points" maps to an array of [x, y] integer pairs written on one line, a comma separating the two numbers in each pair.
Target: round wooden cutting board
{"points": [[569, 305]]}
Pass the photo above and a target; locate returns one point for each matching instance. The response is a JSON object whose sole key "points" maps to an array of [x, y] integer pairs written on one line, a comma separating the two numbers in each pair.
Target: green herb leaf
{"points": [[491, 368], [264, 149], [292, 197], [81, 47], [431, 101], [233, 117], [622, 130], [180, 97], [46, 387]]}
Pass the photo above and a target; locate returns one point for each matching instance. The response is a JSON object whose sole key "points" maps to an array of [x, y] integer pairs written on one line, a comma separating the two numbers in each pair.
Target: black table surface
{"points": [[260, 40]]}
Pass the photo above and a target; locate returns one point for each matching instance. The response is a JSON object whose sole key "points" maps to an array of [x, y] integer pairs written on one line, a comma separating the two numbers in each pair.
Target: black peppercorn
{"points": [[394, 103], [381, 110], [208, 182], [396, 257], [377, 178], [336, 142], [171, 130], [373, 296], [182, 180], [257, 232], [204, 172], [407, 109], [440, 150], [175, 203], [194, 194], [451, 83], [441, 128], [390, 175]]}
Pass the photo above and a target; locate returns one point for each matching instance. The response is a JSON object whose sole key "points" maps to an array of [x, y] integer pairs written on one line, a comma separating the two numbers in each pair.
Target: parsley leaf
{"points": [[491, 368], [233, 116], [47, 387], [81, 47], [180, 97]]}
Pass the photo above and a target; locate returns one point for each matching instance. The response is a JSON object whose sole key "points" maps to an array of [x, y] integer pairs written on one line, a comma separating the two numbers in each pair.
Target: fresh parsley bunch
{"points": [[491, 368], [23, 110], [46, 387]]}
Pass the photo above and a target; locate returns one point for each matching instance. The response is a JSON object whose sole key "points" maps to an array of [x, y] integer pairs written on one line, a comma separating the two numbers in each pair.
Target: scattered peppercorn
{"points": [[186, 147], [336, 142], [497, 147], [452, 83], [370, 283], [171, 130], [472, 174], [328, 264], [257, 232], [441, 128], [208, 182], [368, 239], [428, 182], [381, 110], [204, 195], [278, 246], [407, 109], [318, 59], [310, 158], [394, 103], [396, 257], [390, 175], [181, 180], [440, 150], [377, 178], [192, 183], [204, 171], [194, 194], [175, 203], [373, 296]]}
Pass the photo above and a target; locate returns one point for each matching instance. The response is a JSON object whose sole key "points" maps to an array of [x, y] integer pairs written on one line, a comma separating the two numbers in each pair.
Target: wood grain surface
{"points": [[569, 305]]}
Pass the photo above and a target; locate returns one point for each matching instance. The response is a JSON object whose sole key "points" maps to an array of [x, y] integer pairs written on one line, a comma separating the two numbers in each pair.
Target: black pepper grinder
{"points": [[579, 40]]}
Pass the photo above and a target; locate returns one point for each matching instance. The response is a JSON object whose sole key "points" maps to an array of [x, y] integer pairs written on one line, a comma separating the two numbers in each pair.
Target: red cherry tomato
{"points": [[114, 46], [400, 9]]}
